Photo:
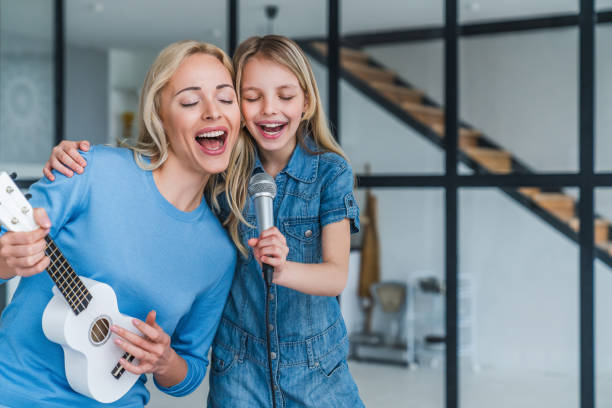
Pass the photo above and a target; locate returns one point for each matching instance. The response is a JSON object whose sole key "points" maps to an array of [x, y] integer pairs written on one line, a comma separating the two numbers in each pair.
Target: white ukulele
{"points": [[79, 315]]}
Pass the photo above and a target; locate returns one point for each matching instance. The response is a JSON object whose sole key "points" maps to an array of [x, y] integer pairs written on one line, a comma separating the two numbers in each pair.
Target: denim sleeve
{"points": [[338, 201], [195, 332]]}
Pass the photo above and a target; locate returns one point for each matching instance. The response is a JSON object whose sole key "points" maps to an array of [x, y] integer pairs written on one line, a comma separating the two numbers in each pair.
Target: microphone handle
{"points": [[268, 271]]}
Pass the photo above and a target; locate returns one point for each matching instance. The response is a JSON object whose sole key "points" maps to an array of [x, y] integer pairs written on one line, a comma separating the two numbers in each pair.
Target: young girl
{"points": [[314, 213], [137, 220]]}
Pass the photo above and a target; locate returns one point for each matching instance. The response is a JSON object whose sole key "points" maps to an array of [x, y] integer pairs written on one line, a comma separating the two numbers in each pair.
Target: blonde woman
{"points": [[314, 213], [138, 220]]}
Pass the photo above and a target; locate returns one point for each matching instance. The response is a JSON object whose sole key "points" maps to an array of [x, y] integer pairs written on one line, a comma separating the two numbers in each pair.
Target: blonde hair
{"points": [[285, 52], [153, 142], [281, 50]]}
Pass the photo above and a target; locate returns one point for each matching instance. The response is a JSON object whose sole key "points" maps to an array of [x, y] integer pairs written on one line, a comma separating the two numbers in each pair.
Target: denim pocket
{"points": [[330, 366], [303, 239], [223, 359]]}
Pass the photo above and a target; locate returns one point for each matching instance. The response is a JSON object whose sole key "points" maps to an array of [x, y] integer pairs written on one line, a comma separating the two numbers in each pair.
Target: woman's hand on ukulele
{"points": [[271, 248], [23, 253], [152, 349], [65, 158]]}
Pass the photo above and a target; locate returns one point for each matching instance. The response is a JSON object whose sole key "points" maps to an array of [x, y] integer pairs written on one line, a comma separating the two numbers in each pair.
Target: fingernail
{"points": [[118, 341]]}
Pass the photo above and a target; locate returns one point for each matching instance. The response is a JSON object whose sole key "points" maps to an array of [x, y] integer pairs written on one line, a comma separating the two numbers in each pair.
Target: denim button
{"points": [[273, 355], [308, 234], [271, 327], [271, 297]]}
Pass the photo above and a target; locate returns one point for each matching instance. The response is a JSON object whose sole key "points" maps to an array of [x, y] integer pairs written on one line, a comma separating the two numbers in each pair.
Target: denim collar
{"points": [[302, 165]]}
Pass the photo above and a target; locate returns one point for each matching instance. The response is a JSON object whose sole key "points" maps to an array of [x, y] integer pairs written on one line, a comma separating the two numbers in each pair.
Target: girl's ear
{"points": [[306, 105]]}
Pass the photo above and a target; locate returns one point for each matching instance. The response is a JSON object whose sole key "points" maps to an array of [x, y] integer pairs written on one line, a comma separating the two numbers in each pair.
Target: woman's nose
{"points": [[211, 111]]}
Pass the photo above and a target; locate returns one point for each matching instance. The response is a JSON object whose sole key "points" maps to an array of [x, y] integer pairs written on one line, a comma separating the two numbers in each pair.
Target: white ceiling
{"points": [[151, 24]]}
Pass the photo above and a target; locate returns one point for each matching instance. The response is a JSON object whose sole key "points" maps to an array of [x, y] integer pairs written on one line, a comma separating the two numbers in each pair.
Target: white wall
{"points": [[521, 89]]}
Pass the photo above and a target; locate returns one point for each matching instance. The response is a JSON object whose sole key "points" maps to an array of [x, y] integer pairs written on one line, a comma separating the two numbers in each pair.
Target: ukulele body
{"points": [[90, 352]]}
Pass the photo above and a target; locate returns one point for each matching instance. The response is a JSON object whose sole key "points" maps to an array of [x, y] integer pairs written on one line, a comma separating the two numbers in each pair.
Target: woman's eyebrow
{"points": [[197, 88], [190, 88]]}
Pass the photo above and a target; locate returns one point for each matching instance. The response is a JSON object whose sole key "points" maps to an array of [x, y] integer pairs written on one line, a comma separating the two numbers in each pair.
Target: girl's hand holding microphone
{"points": [[271, 248]]}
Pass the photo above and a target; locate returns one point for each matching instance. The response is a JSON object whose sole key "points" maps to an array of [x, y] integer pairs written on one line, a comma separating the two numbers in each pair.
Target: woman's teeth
{"points": [[214, 133], [213, 140]]}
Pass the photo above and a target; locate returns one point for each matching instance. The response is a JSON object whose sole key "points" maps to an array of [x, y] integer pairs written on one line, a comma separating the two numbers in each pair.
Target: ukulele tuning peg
{"points": [[13, 175]]}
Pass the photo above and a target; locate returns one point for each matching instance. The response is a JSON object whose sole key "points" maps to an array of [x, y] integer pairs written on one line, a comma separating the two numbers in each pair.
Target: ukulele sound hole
{"points": [[100, 331]]}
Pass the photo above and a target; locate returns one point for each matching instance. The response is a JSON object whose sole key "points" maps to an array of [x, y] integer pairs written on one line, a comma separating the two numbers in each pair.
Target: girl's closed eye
{"points": [[286, 97], [250, 97]]}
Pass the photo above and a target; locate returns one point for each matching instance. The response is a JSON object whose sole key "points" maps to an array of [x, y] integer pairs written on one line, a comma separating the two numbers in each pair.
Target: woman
{"points": [[137, 220]]}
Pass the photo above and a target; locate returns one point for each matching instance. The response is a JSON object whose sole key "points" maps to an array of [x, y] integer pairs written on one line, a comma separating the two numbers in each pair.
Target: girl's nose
{"points": [[269, 107]]}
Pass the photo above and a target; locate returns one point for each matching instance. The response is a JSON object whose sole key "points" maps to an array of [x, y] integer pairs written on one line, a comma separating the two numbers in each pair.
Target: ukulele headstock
{"points": [[16, 213]]}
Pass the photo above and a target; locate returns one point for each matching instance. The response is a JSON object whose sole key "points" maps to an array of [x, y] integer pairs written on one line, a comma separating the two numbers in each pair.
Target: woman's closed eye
{"points": [[188, 104]]}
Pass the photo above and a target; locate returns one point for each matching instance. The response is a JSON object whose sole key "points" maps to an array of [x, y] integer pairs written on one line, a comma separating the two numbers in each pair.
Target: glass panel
{"points": [[519, 114], [603, 286], [603, 5], [27, 83], [478, 10], [603, 98], [105, 67], [518, 297], [293, 18], [410, 240], [389, 89]]}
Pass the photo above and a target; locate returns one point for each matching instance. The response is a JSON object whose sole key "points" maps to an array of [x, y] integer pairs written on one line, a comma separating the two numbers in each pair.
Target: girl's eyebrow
{"points": [[254, 88], [197, 88]]}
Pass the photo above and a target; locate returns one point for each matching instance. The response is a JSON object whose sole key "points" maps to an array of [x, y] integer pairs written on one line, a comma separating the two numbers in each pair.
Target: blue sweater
{"points": [[114, 226]]}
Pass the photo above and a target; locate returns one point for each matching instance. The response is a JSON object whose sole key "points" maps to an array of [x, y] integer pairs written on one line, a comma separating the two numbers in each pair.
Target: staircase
{"points": [[478, 152]]}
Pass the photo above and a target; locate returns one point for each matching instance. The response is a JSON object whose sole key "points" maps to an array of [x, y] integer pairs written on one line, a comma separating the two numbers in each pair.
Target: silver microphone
{"points": [[262, 189]]}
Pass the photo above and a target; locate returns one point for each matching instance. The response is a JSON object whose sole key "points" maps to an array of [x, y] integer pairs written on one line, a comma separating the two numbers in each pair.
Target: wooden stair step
{"points": [[559, 204], [529, 191], [606, 246], [467, 137], [494, 160], [429, 115], [345, 52], [398, 93], [602, 228], [369, 73]]}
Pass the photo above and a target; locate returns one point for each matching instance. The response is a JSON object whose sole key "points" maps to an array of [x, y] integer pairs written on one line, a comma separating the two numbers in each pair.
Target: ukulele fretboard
{"points": [[67, 281]]}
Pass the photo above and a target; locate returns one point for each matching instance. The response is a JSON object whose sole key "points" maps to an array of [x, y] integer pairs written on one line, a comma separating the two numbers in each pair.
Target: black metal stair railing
{"points": [[428, 133]]}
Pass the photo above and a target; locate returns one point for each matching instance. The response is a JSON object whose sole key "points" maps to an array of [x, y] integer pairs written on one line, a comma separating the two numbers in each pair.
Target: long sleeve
{"points": [[195, 333]]}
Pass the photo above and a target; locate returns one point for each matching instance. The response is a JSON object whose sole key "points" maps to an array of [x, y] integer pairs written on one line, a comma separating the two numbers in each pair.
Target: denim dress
{"points": [[309, 343]]}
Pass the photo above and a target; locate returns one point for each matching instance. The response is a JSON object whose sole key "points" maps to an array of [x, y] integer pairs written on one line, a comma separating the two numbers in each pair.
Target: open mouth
{"points": [[272, 129], [212, 141]]}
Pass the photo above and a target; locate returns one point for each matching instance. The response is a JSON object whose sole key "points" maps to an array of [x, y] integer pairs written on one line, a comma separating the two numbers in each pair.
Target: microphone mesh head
{"points": [[262, 183]]}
